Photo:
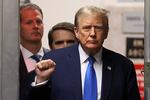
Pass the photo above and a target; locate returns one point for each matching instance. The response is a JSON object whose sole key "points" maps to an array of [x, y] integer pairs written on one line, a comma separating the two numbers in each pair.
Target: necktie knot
{"points": [[36, 57], [91, 59]]}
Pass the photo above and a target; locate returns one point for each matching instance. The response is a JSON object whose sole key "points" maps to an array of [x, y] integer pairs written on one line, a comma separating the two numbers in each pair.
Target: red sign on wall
{"points": [[140, 78]]}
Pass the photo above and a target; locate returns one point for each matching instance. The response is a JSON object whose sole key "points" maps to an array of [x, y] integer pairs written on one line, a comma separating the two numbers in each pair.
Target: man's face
{"points": [[63, 38], [31, 26], [91, 32]]}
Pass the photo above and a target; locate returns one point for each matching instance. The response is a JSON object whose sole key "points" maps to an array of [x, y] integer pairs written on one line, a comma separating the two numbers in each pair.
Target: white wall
{"points": [[60, 10], [64, 10]]}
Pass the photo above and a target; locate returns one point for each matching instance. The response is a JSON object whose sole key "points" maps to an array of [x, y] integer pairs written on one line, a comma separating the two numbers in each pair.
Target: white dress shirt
{"points": [[97, 67], [30, 63]]}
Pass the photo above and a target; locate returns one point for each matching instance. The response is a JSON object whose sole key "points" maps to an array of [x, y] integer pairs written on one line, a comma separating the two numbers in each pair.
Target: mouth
{"points": [[36, 32], [92, 42]]}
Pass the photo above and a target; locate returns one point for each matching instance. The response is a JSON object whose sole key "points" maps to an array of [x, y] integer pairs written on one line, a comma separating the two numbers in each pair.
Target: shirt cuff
{"points": [[34, 84]]}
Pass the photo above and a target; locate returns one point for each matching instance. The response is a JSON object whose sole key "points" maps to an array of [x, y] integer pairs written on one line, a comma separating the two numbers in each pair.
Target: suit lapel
{"points": [[74, 61], [24, 78], [106, 75], [22, 67]]}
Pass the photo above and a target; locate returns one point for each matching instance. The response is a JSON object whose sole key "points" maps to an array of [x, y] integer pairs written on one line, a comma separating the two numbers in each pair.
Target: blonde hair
{"points": [[92, 9]]}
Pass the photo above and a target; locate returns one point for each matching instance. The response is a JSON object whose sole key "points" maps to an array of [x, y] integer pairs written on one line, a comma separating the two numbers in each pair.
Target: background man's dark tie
{"points": [[36, 57]]}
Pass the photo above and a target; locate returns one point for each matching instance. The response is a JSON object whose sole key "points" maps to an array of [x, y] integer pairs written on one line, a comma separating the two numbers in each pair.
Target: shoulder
{"points": [[61, 52], [114, 56], [118, 61], [46, 50]]}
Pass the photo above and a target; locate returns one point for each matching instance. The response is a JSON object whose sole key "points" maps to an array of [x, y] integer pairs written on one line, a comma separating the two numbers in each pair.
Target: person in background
{"points": [[86, 71], [61, 35], [31, 50]]}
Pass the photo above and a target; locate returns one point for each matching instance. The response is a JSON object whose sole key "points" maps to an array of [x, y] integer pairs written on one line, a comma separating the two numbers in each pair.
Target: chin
{"points": [[92, 46]]}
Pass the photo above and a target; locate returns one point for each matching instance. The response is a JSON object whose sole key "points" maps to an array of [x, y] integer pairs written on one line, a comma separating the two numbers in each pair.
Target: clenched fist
{"points": [[44, 69]]}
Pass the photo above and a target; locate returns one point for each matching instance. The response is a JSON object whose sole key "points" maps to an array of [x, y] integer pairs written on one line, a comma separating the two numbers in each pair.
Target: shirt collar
{"points": [[84, 56], [27, 54]]}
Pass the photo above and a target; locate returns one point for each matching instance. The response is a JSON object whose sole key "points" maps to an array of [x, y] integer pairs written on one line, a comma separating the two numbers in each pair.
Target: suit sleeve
{"points": [[42, 92]]}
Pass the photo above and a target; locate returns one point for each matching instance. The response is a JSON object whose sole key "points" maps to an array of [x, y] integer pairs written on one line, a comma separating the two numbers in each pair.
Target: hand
{"points": [[44, 69]]}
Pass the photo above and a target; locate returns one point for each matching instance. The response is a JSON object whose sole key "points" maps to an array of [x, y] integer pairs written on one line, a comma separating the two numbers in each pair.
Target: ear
{"points": [[76, 32], [50, 47], [106, 33]]}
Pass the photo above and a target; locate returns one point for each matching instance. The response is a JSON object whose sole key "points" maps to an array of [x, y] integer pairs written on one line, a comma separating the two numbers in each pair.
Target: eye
{"points": [[70, 41], [99, 28], [29, 22], [59, 42], [39, 21], [86, 28]]}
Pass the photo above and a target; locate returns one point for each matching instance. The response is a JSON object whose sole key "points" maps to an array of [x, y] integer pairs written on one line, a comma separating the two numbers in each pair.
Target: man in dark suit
{"points": [[31, 50], [86, 71]]}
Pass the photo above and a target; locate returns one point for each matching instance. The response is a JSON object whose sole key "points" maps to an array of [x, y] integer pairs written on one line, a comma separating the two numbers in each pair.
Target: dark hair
{"points": [[30, 6], [62, 25]]}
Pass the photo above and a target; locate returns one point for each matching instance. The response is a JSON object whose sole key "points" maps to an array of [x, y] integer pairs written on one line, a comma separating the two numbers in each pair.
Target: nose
{"points": [[35, 25], [65, 44], [92, 33]]}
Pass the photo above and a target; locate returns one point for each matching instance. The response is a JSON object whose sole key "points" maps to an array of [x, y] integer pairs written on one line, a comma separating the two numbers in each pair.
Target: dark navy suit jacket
{"points": [[26, 78], [118, 77]]}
